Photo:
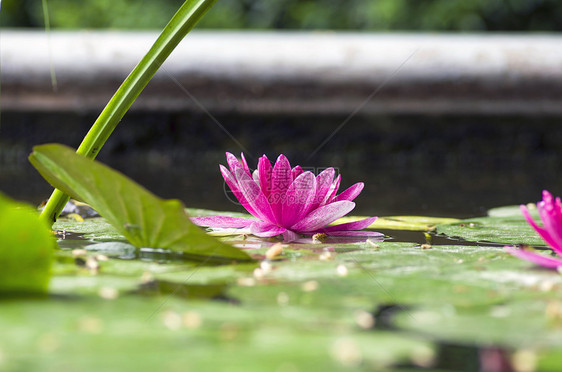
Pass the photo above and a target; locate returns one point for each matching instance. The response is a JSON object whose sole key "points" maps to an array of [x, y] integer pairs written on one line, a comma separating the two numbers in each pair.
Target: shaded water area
{"points": [[454, 166]]}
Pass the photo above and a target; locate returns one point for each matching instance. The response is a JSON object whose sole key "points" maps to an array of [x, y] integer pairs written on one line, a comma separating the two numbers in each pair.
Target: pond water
{"points": [[439, 166]]}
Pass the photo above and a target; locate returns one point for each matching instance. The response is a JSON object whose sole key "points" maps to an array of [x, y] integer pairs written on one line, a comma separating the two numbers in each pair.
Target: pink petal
{"points": [[254, 196], [551, 217], [350, 193], [297, 171], [536, 258], [222, 221], [233, 162], [245, 163], [290, 236], [545, 234], [265, 229], [281, 179], [357, 225], [299, 199], [354, 233], [233, 184], [323, 185], [323, 216], [265, 169], [333, 189]]}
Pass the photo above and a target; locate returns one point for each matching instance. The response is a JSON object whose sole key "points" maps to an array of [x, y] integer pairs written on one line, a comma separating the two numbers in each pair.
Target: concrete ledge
{"points": [[290, 72]]}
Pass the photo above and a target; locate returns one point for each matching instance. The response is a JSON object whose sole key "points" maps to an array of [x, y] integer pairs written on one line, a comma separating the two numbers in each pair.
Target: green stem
{"points": [[179, 26], [48, 30]]}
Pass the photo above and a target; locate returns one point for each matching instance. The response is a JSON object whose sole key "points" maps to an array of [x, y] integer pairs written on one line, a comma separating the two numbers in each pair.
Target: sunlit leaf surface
{"points": [[142, 218], [337, 306]]}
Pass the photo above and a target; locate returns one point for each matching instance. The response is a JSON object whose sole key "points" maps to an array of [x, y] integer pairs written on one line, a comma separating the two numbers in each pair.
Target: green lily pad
{"points": [[134, 333], [504, 225], [26, 249], [513, 211], [144, 219], [312, 306], [501, 230], [487, 326], [95, 229]]}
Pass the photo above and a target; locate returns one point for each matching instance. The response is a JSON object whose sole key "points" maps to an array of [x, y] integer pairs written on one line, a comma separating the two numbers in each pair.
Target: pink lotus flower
{"points": [[550, 212], [288, 201]]}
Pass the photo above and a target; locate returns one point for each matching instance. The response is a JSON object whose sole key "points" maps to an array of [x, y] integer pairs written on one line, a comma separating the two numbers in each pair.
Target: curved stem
{"points": [[179, 26]]}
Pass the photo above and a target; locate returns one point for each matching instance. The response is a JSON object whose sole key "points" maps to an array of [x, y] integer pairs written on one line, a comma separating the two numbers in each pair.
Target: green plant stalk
{"points": [[48, 30], [181, 23]]}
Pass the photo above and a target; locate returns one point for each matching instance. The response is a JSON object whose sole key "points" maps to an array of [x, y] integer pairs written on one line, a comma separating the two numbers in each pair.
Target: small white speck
{"points": [[172, 320], [192, 320], [282, 299], [342, 270], [310, 286], [108, 293]]}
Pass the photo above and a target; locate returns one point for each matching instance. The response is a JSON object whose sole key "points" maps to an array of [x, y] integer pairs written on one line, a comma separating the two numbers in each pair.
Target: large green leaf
{"points": [[144, 219], [26, 249]]}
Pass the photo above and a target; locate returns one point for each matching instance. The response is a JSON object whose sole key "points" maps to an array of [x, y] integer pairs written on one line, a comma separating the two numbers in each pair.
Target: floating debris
{"points": [[92, 264], [364, 319], [79, 252], [108, 293], [192, 320], [326, 256], [172, 320], [319, 238], [102, 257], [266, 266], [310, 286], [342, 270], [546, 286], [246, 282], [258, 273], [524, 361], [282, 299], [346, 351], [147, 277], [372, 244], [274, 251], [426, 246]]}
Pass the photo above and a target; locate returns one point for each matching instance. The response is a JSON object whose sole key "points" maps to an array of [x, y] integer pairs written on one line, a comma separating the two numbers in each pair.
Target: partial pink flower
{"points": [[288, 201], [550, 212]]}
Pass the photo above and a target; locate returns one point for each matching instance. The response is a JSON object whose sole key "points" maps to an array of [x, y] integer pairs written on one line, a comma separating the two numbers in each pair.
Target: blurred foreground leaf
{"points": [[26, 248]]}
